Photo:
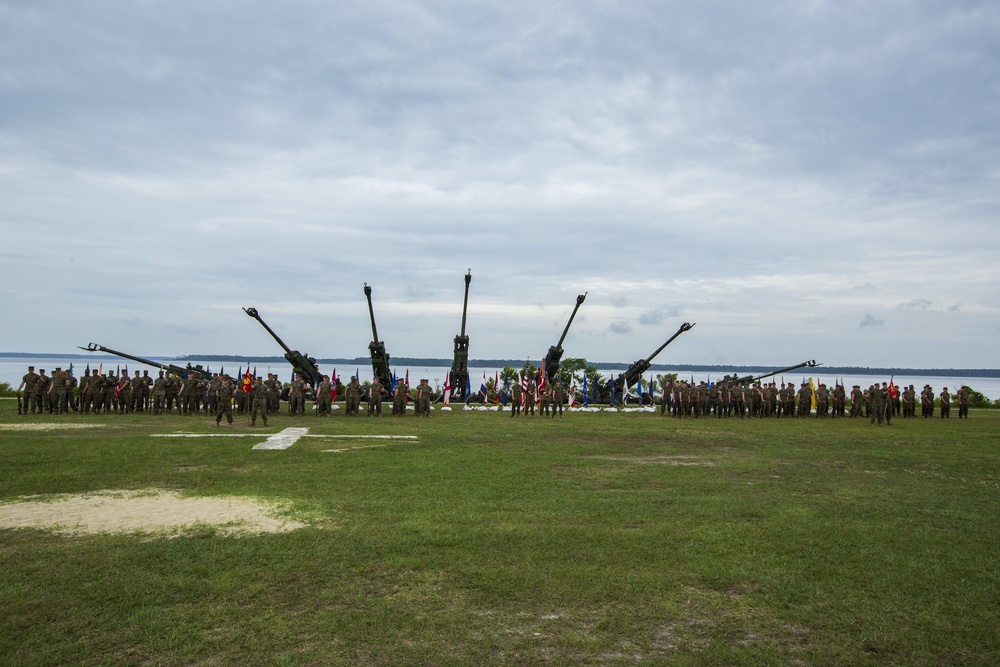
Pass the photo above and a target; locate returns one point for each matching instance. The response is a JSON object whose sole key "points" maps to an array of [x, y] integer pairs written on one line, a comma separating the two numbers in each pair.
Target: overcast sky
{"points": [[802, 179]]}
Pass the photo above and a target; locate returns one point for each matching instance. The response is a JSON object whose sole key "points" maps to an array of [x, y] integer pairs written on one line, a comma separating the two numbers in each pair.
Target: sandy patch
{"points": [[149, 510], [48, 426]]}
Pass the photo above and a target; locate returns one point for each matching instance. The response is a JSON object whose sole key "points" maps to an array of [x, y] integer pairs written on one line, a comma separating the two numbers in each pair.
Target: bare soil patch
{"points": [[47, 426], [147, 510]]}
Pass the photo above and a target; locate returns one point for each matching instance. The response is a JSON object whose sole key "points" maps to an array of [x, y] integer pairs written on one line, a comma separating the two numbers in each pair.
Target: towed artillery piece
{"points": [[380, 360], [635, 371], [182, 371], [302, 364], [459, 374], [750, 379], [554, 356]]}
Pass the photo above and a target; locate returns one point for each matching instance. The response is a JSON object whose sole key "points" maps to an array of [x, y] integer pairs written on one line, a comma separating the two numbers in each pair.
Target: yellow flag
{"points": [[812, 393]]}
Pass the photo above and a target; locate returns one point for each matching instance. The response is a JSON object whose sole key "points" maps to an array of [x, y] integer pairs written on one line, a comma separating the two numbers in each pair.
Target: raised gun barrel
{"points": [[197, 371], [459, 375], [302, 364], [749, 379], [380, 360], [642, 365], [555, 353]]}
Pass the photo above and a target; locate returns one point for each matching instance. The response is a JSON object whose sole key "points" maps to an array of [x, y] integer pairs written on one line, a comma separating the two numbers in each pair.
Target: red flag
{"points": [[333, 385], [496, 388], [247, 382], [892, 389], [447, 388]]}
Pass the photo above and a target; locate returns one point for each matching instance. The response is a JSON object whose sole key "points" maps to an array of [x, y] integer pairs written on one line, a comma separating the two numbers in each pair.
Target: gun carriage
{"points": [[459, 374], [380, 359]]}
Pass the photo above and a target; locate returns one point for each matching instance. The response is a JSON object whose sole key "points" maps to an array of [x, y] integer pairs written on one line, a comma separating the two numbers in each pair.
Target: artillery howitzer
{"points": [[459, 375], [302, 364], [380, 360], [635, 371], [555, 353], [750, 379], [197, 371]]}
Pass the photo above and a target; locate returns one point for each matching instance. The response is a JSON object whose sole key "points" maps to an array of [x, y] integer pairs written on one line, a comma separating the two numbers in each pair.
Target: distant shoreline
{"points": [[517, 363]]}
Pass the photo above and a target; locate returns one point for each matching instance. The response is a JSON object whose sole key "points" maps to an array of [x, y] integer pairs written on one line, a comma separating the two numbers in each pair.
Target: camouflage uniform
{"points": [[353, 397], [124, 403], [558, 396], [258, 397], [945, 403], [963, 402], [399, 398], [375, 398], [273, 386], [172, 387], [423, 399], [323, 397], [515, 399], [28, 384], [159, 394], [224, 401], [296, 397]]}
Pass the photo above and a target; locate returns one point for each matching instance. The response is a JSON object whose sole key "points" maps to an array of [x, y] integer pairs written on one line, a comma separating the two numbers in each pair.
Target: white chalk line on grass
{"points": [[361, 437], [350, 449], [287, 437]]}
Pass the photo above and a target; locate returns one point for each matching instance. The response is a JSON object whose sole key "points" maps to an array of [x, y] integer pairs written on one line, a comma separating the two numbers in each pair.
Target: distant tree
{"points": [[977, 400], [6, 389]]}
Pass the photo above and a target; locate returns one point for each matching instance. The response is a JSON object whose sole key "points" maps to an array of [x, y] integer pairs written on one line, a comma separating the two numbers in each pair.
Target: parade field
{"points": [[473, 538]]}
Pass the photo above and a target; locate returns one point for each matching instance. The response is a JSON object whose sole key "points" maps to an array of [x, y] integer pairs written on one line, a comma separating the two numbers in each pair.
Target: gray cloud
{"points": [[657, 315], [917, 304], [871, 321], [620, 328]]}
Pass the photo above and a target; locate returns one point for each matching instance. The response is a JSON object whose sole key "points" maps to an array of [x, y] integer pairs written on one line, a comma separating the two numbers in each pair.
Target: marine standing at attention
{"points": [[323, 397], [375, 398]]}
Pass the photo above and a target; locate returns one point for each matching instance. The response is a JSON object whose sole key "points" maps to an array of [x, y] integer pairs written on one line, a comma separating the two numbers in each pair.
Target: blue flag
{"points": [[585, 399], [611, 385], [468, 387]]}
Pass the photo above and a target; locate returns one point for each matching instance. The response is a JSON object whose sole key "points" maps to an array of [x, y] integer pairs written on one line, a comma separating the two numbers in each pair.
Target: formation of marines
{"points": [[222, 396], [879, 403]]}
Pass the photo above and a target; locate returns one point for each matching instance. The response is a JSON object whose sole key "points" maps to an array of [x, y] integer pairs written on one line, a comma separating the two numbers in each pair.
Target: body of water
{"points": [[12, 370]]}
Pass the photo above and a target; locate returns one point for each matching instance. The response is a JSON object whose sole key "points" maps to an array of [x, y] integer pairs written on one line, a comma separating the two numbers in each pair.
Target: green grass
{"points": [[594, 539]]}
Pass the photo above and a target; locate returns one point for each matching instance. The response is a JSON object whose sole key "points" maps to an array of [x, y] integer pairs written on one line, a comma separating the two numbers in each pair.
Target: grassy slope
{"points": [[597, 538]]}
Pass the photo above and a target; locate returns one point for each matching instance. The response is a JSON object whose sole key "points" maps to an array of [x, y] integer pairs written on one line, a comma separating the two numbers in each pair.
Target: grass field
{"points": [[606, 539]]}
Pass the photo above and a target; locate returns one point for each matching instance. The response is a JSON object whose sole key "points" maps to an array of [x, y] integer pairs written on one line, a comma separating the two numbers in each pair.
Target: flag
{"points": [[392, 385], [482, 387], [542, 380], [247, 382], [524, 387], [407, 377], [611, 386], [468, 387], [496, 388], [447, 387], [70, 371], [892, 389], [638, 388], [333, 385], [586, 400], [506, 386], [572, 396], [812, 393]]}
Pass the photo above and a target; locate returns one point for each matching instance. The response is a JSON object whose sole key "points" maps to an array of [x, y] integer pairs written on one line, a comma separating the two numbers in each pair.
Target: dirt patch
{"points": [[148, 510], [47, 426], [661, 460]]}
